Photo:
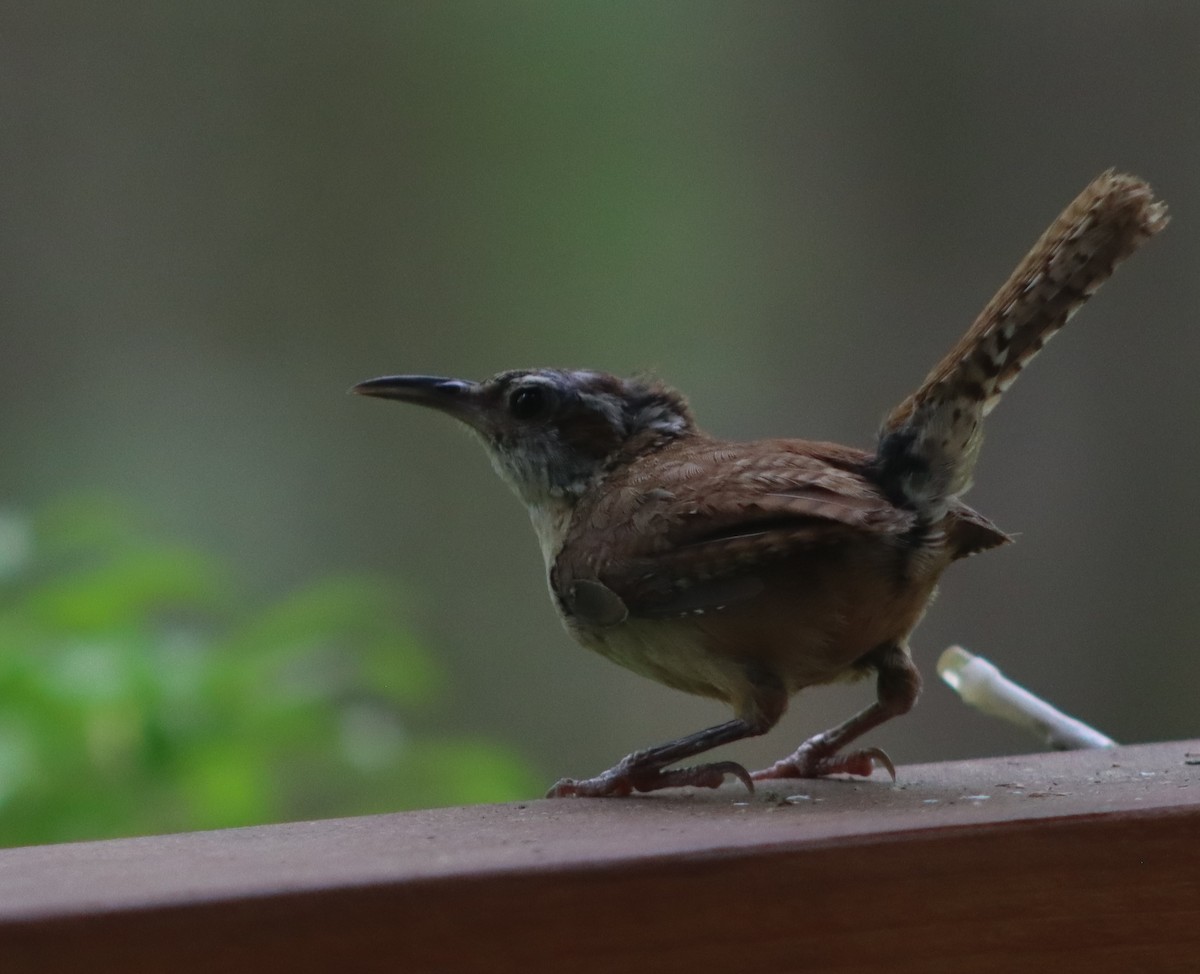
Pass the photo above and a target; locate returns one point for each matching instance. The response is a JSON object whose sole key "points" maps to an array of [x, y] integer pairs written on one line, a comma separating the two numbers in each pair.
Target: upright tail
{"points": [[929, 444]]}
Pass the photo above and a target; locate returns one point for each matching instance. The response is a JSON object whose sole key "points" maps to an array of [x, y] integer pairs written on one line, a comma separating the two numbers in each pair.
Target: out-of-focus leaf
{"points": [[137, 695], [125, 589]]}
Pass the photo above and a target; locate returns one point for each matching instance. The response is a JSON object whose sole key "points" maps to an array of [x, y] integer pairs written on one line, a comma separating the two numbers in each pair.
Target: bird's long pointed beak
{"points": [[457, 397]]}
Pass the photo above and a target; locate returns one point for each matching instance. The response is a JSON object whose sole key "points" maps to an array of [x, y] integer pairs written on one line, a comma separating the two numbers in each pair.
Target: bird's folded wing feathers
{"points": [[692, 542]]}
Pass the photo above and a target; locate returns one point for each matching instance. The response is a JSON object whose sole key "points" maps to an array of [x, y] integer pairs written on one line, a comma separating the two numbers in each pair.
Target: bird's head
{"points": [[550, 432]]}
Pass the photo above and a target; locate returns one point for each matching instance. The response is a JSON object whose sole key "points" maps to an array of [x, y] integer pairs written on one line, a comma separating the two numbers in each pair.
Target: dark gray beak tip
{"points": [[370, 387]]}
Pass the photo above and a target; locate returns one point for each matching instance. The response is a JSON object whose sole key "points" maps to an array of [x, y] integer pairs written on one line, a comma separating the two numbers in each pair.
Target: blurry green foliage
{"points": [[139, 694]]}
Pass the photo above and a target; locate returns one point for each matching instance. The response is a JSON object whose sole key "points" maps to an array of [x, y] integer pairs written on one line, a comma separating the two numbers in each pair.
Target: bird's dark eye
{"points": [[529, 402]]}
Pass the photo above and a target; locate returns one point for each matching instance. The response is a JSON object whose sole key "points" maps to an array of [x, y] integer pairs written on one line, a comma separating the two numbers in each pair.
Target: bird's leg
{"points": [[648, 770], [897, 687]]}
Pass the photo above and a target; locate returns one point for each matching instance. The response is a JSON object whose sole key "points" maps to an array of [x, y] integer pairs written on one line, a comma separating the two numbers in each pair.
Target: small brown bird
{"points": [[749, 571]]}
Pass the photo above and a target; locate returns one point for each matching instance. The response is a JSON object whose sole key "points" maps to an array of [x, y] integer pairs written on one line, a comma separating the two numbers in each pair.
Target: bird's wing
{"points": [[697, 532]]}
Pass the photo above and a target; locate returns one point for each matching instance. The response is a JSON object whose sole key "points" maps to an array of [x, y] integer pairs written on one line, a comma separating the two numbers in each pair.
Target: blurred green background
{"points": [[217, 217]]}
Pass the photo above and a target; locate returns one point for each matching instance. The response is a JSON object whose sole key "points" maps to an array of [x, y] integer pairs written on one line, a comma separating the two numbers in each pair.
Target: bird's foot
{"points": [[628, 777], [813, 759]]}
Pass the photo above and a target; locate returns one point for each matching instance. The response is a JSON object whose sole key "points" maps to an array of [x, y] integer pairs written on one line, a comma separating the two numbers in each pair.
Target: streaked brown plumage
{"points": [[749, 571]]}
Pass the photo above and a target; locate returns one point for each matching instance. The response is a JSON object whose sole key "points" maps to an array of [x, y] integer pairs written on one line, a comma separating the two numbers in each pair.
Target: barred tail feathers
{"points": [[929, 444]]}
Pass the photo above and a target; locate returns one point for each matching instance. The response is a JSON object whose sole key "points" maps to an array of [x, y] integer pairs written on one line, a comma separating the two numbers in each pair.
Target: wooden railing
{"points": [[1083, 861]]}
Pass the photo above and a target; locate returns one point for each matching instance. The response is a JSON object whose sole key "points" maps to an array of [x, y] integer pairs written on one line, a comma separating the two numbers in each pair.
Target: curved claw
{"points": [[880, 759], [739, 772], [701, 776], [862, 763]]}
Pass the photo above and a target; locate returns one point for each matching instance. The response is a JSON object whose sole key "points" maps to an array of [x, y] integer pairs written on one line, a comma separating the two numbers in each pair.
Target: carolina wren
{"points": [[749, 571]]}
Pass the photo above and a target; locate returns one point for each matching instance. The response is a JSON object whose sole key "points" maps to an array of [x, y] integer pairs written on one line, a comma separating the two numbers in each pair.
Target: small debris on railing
{"points": [[982, 686]]}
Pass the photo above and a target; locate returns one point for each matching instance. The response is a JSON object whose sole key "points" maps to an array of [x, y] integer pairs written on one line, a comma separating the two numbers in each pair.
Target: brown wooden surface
{"points": [[1081, 861]]}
